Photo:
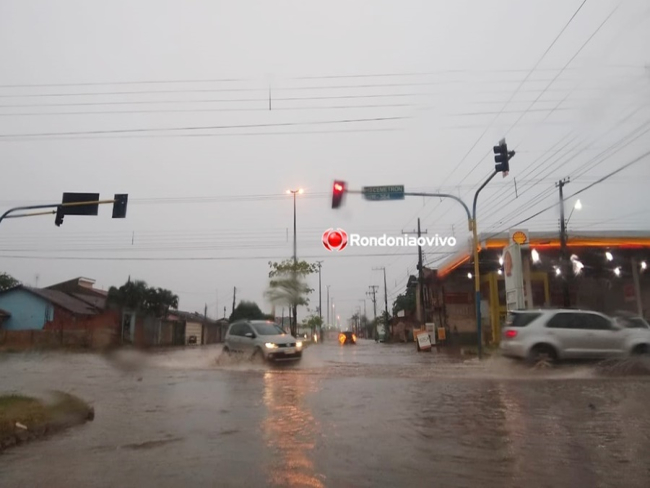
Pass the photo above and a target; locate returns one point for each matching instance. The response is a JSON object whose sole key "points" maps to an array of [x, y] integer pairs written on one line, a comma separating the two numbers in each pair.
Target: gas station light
{"points": [[535, 255], [617, 271], [609, 256]]}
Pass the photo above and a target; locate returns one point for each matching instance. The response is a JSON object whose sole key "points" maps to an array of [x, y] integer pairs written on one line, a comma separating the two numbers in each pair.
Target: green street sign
{"points": [[387, 192]]}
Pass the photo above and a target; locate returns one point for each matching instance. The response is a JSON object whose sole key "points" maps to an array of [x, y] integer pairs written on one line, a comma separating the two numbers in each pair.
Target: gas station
{"points": [[604, 271]]}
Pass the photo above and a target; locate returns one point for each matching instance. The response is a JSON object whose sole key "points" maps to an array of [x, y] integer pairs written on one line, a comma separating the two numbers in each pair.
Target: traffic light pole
{"points": [[477, 271], [502, 158]]}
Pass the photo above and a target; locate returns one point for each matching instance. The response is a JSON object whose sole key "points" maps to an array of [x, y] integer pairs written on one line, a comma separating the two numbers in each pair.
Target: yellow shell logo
{"points": [[519, 237]]}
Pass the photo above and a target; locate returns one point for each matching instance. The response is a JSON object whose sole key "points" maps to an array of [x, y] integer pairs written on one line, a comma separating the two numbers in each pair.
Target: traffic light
{"points": [[58, 220], [119, 207], [502, 157], [338, 192]]}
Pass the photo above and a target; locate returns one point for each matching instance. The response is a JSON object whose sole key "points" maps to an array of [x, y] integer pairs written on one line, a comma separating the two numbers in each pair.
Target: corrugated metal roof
{"points": [[95, 301], [64, 300]]}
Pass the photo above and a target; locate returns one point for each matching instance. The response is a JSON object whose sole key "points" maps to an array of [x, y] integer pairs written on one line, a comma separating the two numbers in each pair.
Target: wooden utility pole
{"points": [[421, 308], [234, 298], [564, 268]]}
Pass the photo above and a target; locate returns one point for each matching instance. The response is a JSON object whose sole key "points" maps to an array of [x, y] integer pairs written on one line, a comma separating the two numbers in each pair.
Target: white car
{"points": [[551, 335], [262, 339]]}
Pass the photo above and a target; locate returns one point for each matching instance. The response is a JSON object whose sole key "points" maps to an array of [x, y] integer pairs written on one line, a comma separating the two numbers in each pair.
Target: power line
{"points": [[559, 73], [530, 72], [317, 77], [233, 100], [174, 136], [238, 109], [206, 258], [207, 127], [609, 175]]}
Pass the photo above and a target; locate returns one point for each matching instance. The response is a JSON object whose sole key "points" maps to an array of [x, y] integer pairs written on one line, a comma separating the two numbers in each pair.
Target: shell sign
{"points": [[519, 237]]}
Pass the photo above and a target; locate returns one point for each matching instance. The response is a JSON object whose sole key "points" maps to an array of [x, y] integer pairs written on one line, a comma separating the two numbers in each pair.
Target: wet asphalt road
{"points": [[370, 415]]}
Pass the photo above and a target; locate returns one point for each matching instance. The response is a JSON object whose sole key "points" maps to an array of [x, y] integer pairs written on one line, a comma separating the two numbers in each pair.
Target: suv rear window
{"points": [[520, 319]]}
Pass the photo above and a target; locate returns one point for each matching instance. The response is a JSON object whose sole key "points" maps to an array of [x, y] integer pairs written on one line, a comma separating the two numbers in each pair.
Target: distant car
{"points": [[552, 335], [262, 339], [347, 338]]}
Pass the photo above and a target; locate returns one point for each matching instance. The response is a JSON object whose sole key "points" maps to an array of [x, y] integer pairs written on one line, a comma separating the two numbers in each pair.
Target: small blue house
{"points": [[26, 308]]}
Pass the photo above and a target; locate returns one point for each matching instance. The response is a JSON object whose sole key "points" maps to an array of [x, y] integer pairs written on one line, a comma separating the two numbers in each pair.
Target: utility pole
{"points": [[328, 304], [372, 293], [421, 309], [295, 258], [320, 301], [564, 269], [388, 334], [234, 297]]}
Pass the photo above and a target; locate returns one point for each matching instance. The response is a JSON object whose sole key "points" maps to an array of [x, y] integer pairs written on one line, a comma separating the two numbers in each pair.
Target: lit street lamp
{"points": [[577, 206]]}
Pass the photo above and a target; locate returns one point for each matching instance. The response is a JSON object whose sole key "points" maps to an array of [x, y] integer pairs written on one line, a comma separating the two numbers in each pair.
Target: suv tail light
{"points": [[510, 334]]}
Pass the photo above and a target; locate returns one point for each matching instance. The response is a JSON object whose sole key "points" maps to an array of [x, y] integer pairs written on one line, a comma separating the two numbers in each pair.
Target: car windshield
{"points": [[268, 329]]}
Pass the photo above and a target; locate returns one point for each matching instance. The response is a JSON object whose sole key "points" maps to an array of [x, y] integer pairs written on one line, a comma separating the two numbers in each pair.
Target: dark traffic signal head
{"points": [[338, 192], [502, 157], [58, 220], [119, 207]]}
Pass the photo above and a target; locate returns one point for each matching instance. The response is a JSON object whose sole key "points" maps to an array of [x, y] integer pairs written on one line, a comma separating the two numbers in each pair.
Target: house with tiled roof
{"points": [[72, 309]]}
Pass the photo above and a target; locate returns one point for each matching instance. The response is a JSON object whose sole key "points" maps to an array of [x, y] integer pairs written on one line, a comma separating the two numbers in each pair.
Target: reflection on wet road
{"points": [[370, 415]]}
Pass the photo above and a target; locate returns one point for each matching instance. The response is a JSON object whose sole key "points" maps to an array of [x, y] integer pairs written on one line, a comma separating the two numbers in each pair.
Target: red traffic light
{"points": [[338, 191]]}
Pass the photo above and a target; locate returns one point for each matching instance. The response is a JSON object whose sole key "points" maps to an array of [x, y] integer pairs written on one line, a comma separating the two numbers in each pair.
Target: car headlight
{"points": [[270, 345], [299, 344]]}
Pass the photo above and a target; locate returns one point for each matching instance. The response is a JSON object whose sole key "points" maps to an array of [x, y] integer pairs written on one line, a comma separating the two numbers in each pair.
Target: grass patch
{"points": [[39, 415]]}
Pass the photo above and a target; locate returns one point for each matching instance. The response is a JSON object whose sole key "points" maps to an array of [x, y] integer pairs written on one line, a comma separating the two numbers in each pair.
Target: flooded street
{"points": [[370, 415]]}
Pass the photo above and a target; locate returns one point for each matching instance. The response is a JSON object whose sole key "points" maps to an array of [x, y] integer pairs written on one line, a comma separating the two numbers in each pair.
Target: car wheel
{"points": [[641, 350], [542, 356], [226, 350]]}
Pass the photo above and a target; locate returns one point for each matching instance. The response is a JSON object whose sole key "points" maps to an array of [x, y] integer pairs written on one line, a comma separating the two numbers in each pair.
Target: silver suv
{"points": [[262, 339], [550, 335]]}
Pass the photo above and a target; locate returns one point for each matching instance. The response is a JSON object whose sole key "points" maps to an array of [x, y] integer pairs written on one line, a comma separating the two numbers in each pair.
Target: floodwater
{"points": [[370, 415]]}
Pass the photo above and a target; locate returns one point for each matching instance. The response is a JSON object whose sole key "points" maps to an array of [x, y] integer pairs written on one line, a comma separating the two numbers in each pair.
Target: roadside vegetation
{"points": [[24, 418]]}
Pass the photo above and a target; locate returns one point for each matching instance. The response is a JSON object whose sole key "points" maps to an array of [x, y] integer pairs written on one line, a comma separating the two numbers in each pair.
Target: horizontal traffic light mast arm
{"points": [[32, 214], [77, 204], [49, 205]]}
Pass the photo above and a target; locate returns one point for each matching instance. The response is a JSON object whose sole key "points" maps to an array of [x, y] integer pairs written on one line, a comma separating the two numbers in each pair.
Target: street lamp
{"points": [[576, 206], [299, 191]]}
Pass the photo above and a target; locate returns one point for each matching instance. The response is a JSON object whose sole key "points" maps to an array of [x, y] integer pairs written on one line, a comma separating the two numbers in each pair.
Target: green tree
{"points": [[405, 301], [7, 281], [139, 297], [288, 286], [158, 301], [248, 310], [314, 322]]}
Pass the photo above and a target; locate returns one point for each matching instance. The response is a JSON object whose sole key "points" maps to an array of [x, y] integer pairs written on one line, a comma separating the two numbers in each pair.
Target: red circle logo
{"points": [[335, 239]]}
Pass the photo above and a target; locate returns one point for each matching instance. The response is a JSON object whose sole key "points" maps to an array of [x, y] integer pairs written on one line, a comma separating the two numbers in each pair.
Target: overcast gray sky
{"points": [[443, 81]]}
